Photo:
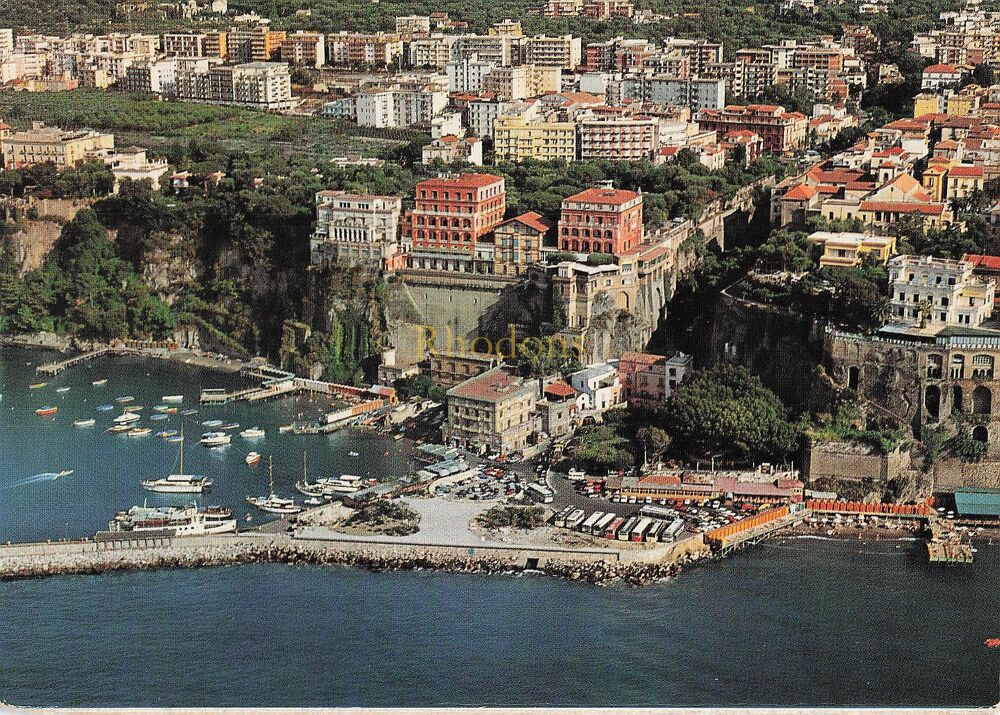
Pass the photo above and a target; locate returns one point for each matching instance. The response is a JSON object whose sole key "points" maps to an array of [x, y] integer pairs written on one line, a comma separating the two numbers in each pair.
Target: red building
{"points": [[601, 221], [453, 212], [780, 131]]}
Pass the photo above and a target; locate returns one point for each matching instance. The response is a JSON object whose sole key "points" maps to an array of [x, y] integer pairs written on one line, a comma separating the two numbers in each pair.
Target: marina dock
{"points": [[945, 545], [753, 530], [54, 368]]}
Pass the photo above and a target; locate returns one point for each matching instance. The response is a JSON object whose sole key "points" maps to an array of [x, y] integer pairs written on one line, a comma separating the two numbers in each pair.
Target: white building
{"points": [[152, 77], [355, 229], [599, 385], [936, 292], [132, 163], [467, 75], [399, 107]]}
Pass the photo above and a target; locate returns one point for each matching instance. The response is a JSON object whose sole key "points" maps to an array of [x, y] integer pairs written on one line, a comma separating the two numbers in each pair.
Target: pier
{"points": [[945, 545], [54, 368], [727, 539]]}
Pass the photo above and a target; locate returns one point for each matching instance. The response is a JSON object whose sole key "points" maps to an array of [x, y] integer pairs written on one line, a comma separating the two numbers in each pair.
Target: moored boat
{"points": [[252, 433], [105, 408], [166, 433], [100, 383], [118, 429], [126, 418], [215, 439], [85, 423], [188, 413], [124, 398], [173, 398], [140, 432], [211, 423], [272, 503], [46, 411], [158, 417], [253, 458], [175, 520], [37, 386], [63, 389], [228, 427]]}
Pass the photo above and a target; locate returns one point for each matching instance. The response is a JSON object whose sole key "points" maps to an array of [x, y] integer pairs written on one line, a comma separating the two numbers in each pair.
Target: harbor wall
{"points": [[90, 557]]}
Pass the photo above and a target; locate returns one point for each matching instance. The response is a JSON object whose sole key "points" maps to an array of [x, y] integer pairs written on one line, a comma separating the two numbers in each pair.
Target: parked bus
{"points": [[626, 531], [656, 512], [560, 519], [673, 531], [639, 532], [655, 530], [611, 530], [575, 519], [602, 524], [540, 493], [587, 527]]}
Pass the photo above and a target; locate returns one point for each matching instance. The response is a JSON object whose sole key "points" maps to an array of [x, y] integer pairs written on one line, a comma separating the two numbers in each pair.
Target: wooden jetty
{"points": [[54, 368]]}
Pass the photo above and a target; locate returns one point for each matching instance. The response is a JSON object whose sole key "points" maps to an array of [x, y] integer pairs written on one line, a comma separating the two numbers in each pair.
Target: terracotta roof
{"points": [[802, 192], [966, 171], [903, 207], [559, 389], [982, 261], [641, 358], [603, 196], [490, 386], [460, 182], [665, 480], [946, 144], [940, 69], [533, 220]]}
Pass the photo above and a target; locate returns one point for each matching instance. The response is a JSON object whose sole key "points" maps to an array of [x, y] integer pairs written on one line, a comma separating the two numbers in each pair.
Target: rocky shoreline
{"points": [[632, 573]]}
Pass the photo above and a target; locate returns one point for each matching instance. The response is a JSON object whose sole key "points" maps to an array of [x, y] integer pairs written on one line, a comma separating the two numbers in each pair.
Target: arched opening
{"points": [[981, 433], [932, 402], [853, 376], [982, 367], [958, 367], [956, 398], [982, 401], [934, 366]]}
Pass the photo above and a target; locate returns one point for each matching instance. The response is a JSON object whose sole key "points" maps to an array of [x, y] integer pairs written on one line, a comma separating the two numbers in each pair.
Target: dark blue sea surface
{"points": [[798, 621]]}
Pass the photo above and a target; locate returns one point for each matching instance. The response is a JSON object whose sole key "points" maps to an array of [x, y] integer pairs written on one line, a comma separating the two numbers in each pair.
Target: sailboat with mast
{"points": [[304, 487], [179, 483], [272, 502]]}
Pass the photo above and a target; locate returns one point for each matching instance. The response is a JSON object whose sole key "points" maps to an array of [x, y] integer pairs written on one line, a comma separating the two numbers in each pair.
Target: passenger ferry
{"points": [[177, 520]]}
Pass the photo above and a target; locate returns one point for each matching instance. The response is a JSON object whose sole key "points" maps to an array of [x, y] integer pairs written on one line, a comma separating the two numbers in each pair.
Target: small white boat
{"points": [[211, 423], [85, 423], [125, 398], [166, 433], [286, 428], [230, 426], [188, 413], [105, 408], [126, 418], [159, 416], [253, 458], [63, 389], [140, 432], [100, 383], [173, 398], [118, 429], [64, 473], [353, 454], [252, 433], [215, 439], [175, 439], [314, 501]]}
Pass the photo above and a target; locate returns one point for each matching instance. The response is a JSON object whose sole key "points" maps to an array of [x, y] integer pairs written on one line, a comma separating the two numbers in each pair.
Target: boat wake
{"points": [[43, 477]]}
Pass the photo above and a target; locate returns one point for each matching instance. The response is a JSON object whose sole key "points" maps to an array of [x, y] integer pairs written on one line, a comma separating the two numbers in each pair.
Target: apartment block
{"points": [[564, 52], [304, 49], [258, 85], [516, 139], [601, 220], [630, 138], [781, 131], [356, 49]]}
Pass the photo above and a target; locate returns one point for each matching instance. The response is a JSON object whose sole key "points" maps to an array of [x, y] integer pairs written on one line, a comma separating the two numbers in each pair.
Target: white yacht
{"points": [[252, 433], [272, 503], [179, 483], [215, 439], [126, 418]]}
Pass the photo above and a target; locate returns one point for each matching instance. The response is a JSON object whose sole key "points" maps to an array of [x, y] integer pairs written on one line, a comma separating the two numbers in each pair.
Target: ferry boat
{"points": [[126, 418], [123, 399], [46, 411], [140, 432], [215, 439], [179, 483], [252, 433], [253, 458], [85, 423], [176, 520], [272, 503], [173, 398], [100, 383]]}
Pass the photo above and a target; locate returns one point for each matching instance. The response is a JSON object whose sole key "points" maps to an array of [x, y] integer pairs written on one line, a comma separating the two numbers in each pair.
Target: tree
{"points": [[653, 441], [724, 409]]}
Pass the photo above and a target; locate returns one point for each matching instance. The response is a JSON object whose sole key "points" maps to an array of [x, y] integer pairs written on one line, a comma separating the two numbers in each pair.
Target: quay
{"points": [[54, 368], [727, 539]]}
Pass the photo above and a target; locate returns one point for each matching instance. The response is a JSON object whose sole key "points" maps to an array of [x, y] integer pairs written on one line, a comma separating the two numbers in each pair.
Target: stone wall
{"points": [[842, 460], [949, 474]]}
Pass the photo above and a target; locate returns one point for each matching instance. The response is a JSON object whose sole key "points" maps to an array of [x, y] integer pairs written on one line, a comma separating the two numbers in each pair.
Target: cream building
{"points": [[42, 144]]}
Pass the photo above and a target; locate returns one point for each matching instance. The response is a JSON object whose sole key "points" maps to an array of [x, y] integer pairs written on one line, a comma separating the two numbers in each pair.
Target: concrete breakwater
{"points": [[88, 557]]}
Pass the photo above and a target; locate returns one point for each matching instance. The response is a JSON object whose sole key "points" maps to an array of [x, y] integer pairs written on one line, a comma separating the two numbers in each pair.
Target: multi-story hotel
{"points": [[618, 138], [781, 131], [451, 213], [516, 139], [601, 221], [194, 44], [494, 410], [936, 292], [518, 243], [41, 144], [356, 229]]}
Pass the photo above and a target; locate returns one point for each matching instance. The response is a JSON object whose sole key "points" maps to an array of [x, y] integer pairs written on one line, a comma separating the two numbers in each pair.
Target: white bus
{"points": [[574, 519], [656, 512], [599, 528], [672, 531], [541, 493], [625, 532], [655, 530], [639, 532], [560, 519], [587, 527]]}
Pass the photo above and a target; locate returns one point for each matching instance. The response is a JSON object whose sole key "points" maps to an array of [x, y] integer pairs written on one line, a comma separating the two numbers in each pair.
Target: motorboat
{"points": [[188, 413], [166, 433], [126, 418], [118, 429], [158, 417], [37, 386], [124, 398], [90, 422], [272, 503], [175, 439], [353, 454], [175, 399], [211, 423], [46, 411], [63, 389], [253, 458], [140, 432], [229, 426], [64, 473], [100, 383], [252, 433], [105, 408], [215, 439], [314, 501]]}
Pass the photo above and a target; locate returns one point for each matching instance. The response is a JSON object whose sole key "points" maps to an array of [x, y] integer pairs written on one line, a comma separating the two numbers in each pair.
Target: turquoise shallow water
{"points": [[794, 622]]}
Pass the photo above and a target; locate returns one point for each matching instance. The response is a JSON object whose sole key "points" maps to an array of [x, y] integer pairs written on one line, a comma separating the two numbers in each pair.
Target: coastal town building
{"points": [[451, 148], [304, 49], [42, 144], [601, 221], [356, 229], [845, 249], [448, 368], [518, 242], [630, 138], [493, 411], [133, 164], [256, 85], [647, 380], [781, 131], [518, 139], [599, 386], [937, 292]]}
